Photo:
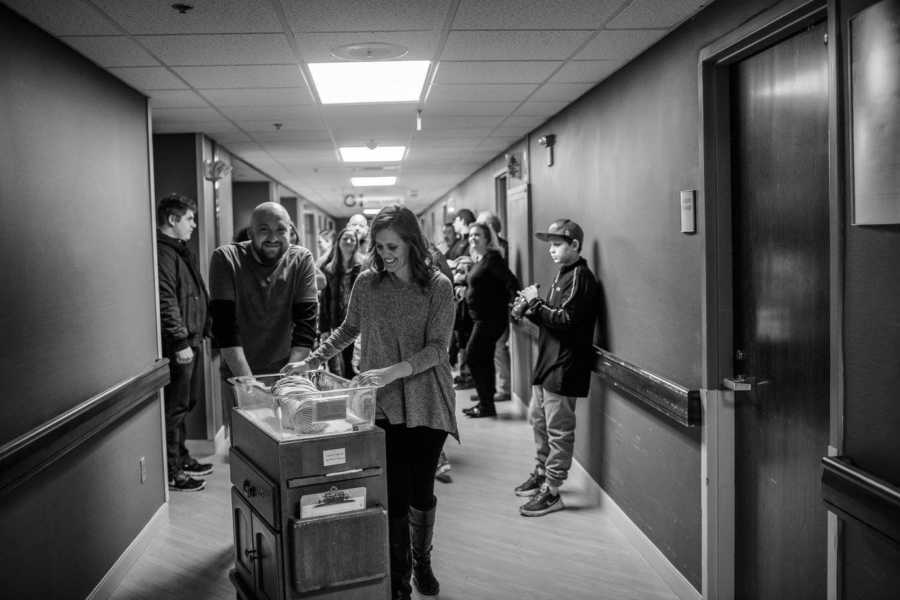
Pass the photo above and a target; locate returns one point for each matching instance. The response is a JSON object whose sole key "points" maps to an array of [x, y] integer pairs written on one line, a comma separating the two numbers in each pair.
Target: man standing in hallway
{"points": [[264, 302], [183, 317], [461, 222], [562, 372]]}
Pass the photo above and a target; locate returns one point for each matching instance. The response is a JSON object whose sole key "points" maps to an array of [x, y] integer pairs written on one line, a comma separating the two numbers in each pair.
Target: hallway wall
{"points": [[623, 152], [79, 308]]}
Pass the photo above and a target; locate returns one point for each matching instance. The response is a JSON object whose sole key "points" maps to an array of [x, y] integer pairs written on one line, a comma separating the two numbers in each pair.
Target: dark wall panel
{"points": [[245, 196], [872, 337], [79, 310], [65, 529]]}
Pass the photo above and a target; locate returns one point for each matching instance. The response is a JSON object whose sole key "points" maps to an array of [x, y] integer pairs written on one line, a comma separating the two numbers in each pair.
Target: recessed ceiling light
{"points": [[376, 154], [369, 81], [372, 181]]}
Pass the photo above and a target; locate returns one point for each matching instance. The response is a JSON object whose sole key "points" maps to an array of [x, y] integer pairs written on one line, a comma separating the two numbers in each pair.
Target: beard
{"points": [[267, 255]]}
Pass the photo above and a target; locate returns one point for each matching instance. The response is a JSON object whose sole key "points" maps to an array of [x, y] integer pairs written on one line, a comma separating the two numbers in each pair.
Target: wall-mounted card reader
{"points": [[688, 212]]}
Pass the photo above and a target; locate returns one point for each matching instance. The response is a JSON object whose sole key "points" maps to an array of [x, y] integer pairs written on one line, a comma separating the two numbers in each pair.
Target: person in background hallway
{"points": [[402, 309], [562, 371], [449, 238], [183, 316], [487, 298], [461, 222], [501, 352], [263, 299], [360, 223], [325, 242], [341, 270], [242, 234]]}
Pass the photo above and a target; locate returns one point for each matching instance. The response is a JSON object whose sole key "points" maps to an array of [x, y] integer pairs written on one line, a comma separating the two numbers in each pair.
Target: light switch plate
{"points": [[688, 212]]}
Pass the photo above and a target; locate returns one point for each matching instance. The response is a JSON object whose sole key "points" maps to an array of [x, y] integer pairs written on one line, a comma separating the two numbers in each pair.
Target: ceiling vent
{"points": [[369, 51]]}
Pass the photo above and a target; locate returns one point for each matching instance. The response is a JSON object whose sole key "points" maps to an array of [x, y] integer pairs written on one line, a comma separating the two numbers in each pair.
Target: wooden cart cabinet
{"points": [[281, 555]]}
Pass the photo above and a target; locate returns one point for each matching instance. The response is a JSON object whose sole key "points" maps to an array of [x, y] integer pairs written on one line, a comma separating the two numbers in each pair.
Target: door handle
{"points": [[739, 383]]}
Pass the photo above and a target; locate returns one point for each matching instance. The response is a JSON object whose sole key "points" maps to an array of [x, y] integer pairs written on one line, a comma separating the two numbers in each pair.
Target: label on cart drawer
{"points": [[337, 456], [332, 502]]}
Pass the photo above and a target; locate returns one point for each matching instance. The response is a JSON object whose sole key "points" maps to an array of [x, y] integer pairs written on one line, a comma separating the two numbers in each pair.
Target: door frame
{"points": [[717, 452]]}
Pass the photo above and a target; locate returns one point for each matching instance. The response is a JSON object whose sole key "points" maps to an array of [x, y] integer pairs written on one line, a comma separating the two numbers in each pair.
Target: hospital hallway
{"points": [[483, 548]]}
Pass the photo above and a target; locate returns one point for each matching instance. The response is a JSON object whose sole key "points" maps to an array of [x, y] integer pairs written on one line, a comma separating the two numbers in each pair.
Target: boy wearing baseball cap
{"points": [[562, 371]]}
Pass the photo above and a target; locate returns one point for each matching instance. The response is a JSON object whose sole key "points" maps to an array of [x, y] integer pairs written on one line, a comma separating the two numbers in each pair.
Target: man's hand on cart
{"points": [[302, 366]]}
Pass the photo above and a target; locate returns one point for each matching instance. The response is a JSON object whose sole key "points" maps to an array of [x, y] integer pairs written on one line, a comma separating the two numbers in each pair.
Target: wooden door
{"points": [[779, 178]]}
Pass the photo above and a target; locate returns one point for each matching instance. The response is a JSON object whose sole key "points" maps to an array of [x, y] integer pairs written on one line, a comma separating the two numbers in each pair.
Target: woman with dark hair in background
{"points": [[487, 298], [402, 308], [341, 269]]}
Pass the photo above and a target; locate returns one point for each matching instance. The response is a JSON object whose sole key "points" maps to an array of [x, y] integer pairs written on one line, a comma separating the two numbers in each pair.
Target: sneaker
{"points": [[464, 383], [543, 503], [197, 469], [530, 486], [182, 483], [502, 397], [442, 473]]}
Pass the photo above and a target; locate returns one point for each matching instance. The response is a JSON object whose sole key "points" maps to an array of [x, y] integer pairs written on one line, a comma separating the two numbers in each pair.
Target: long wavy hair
{"points": [[403, 222], [335, 261]]}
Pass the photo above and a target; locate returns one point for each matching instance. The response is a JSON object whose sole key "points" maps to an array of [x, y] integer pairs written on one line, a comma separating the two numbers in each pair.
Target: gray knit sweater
{"points": [[397, 322]]}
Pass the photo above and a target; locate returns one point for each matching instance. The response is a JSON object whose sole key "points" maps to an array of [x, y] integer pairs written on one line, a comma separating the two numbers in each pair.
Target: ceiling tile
{"points": [[273, 114], [285, 134], [209, 16], [242, 76], [552, 92], [649, 14], [112, 51], [440, 122], [238, 49], [586, 71], [527, 121], [317, 47], [259, 97], [620, 44], [365, 15], [149, 78], [512, 45], [503, 92], [262, 129], [494, 71], [231, 138], [64, 18], [176, 99], [461, 108], [540, 109], [527, 14], [183, 115]]}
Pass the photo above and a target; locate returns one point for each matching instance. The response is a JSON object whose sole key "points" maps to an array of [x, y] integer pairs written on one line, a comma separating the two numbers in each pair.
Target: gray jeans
{"points": [[501, 363], [553, 419]]}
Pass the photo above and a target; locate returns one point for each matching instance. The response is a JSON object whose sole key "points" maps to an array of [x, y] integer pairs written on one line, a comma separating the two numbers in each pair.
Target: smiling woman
{"points": [[402, 309]]}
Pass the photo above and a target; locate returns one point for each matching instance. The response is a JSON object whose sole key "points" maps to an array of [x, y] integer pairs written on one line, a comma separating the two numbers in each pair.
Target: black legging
{"points": [[412, 457], [480, 358]]}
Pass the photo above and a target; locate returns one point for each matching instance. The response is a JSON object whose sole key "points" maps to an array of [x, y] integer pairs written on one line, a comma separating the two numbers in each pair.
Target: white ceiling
{"points": [[234, 68]]}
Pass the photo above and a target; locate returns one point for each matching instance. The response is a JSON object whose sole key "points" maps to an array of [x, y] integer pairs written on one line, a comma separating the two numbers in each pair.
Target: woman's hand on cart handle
{"points": [[294, 368]]}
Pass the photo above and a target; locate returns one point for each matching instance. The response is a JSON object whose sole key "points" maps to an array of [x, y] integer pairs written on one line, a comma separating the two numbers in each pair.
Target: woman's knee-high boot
{"points": [[401, 565], [421, 529]]}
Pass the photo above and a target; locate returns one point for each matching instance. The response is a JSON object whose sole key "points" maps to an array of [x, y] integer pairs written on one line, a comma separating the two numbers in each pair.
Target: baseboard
{"points": [[680, 586], [217, 445], [110, 582]]}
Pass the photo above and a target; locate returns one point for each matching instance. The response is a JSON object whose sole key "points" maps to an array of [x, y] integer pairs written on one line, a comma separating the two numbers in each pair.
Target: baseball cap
{"points": [[565, 229]]}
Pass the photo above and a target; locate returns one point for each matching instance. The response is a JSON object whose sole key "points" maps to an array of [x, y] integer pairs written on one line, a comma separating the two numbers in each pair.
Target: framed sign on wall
{"points": [[875, 113]]}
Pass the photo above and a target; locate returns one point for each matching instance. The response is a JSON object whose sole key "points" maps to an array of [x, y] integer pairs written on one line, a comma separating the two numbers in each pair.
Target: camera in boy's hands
{"points": [[520, 302]]}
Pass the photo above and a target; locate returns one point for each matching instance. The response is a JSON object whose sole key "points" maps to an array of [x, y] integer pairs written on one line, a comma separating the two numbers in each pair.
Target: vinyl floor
{"points": [[484, 550]]}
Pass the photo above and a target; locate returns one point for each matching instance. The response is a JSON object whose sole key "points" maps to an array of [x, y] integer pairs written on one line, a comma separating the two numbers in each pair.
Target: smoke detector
{"points": [[369, 51]]}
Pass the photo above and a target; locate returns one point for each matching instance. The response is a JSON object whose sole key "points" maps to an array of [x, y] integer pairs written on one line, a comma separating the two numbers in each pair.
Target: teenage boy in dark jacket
{"points": [[562, 372], [182, 309]]}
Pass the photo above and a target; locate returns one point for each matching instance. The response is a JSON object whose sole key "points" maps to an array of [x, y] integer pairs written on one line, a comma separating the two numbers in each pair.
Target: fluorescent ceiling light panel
{"points": [[369, 81], [372, 181], [376, 154]]}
